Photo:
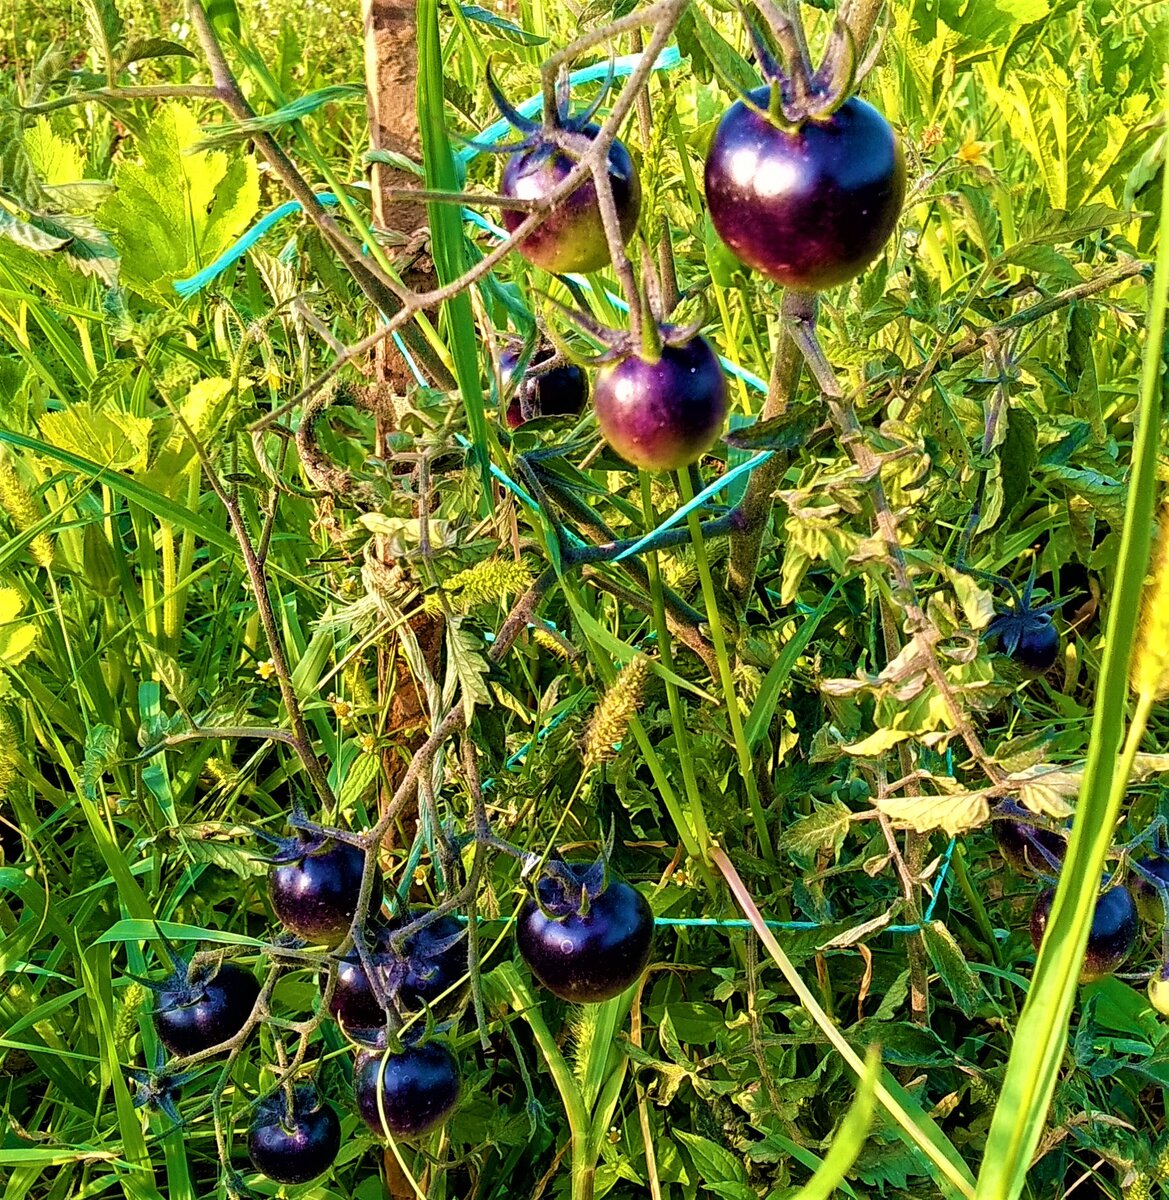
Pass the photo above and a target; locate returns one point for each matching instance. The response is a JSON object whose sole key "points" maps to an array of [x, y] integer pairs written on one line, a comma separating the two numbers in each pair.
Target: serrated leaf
{"points": [[823, 829], [950, 963], [101, 752], [175, 208], [976, 601], [713, 1162], [730, 66], [952, 814], [509, 30], [786, 432], [295, 110], [105, 29], [154, 47], [390, 158], [29, 235], [1042, 260], [981, 218], [466, 666], [119, 441], [1047, 789]]}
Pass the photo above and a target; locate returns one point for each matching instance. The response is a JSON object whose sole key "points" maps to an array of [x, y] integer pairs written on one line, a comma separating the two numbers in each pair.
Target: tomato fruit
{"points": [[583, 938], [572, 238], [296, 1146], [314, 887], [559, 392], [665, 414], [418, 1087], [1111, 938], [432, 962], [810, 206], [1019, 844], [200, 1007]]}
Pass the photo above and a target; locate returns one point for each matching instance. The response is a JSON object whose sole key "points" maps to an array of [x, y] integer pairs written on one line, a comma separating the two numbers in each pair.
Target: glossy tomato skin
{"points": [[810, 208], [1014, 840], [432, 963], [195, 1014], [560, 392], [419, 1088], [296, 1147], [1038, 647], [590, 957], [316, 895], [573, 236], [1147, 897], [663, 415], [1111, 938]]}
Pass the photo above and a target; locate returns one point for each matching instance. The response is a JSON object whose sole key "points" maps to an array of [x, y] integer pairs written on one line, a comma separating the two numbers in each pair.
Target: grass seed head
{"points": [[619, 705]]}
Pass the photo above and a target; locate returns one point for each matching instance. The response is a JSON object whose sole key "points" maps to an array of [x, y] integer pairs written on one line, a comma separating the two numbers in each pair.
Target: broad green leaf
{"points": [[101, 753], [713, 1162], [824, 829], [176, 208]]}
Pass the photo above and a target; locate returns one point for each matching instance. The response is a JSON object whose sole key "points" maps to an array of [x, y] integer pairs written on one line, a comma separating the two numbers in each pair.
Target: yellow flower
{"points": [[973, 152], [266, 669]]}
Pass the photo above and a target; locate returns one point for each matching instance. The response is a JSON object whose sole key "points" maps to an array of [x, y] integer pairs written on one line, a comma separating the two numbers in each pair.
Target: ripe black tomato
{"points": [[1017, 844], [585, 951], [666, 414], [314, 888], [419, 1088], [559, 392], [573, 236], [432, 962], [1111, 938], [197, 1009], [1038, 647], [809, 208], [296, 1146]]}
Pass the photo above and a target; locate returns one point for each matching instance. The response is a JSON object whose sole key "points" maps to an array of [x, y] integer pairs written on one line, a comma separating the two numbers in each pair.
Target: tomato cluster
{"points": [[585, 934], [804, 184]]}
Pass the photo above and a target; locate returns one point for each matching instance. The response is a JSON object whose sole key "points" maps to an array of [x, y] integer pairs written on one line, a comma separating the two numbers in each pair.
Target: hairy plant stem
{"points": [[726, 674]]}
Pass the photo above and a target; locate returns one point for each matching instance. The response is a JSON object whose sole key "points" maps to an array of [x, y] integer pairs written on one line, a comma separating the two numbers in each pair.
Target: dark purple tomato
{"points": [[1147, 897], [587, 956], [810, 208], [315, 895], [1018, 844], [419, 1088], [1038, 647], [198, 1009], [560, 392], [432, 962], [296, 1146], [572, 238], [1111, 938], [663, 415]]}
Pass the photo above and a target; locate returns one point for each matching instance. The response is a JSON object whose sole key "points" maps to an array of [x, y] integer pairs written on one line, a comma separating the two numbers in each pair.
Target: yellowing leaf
{"points": [[952, 814], [876, 743], [119, 441], [17, 638], [1047, 790], [176, 209]]}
